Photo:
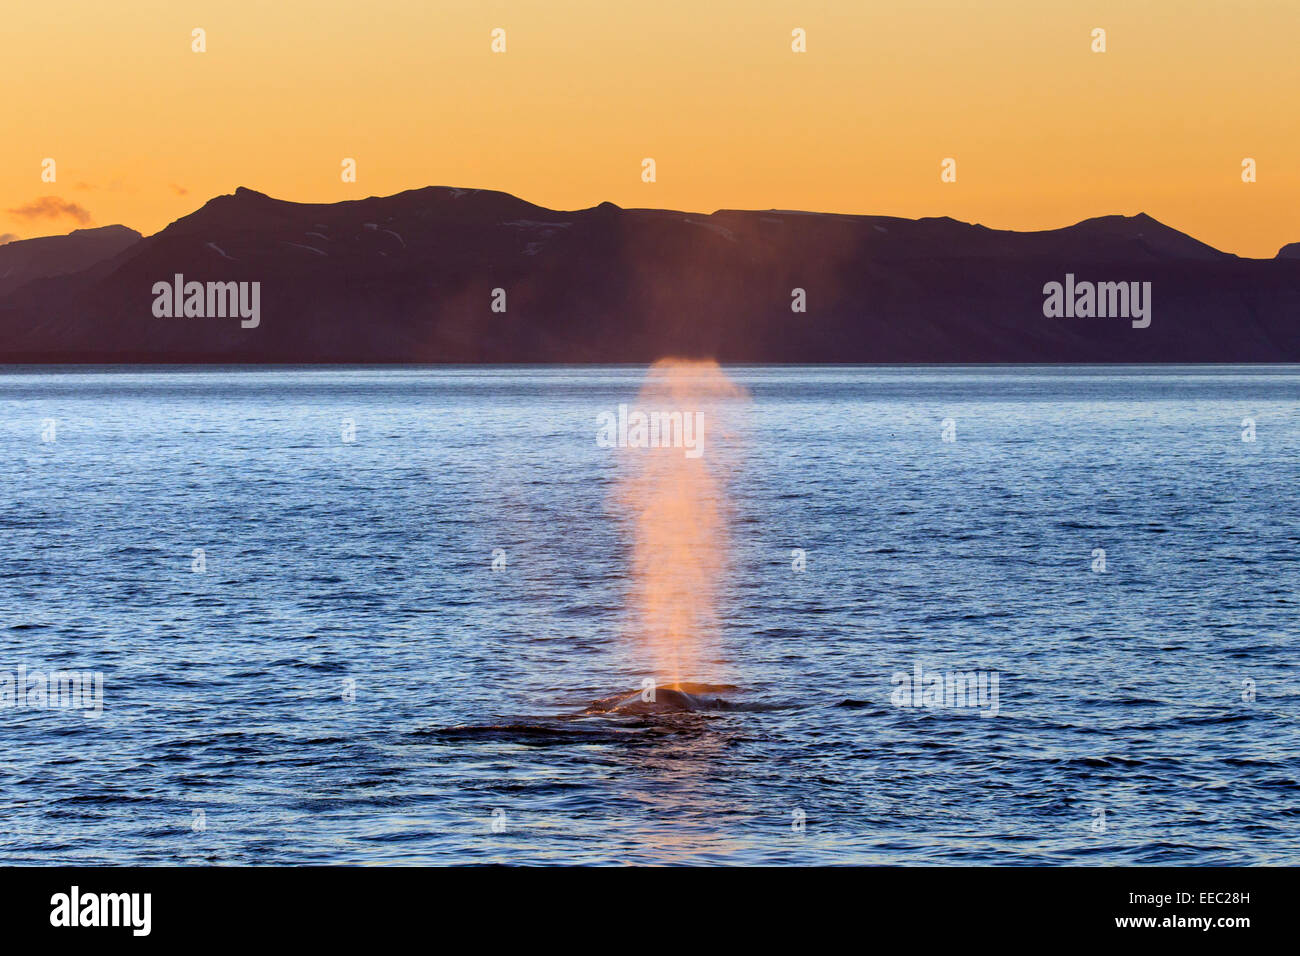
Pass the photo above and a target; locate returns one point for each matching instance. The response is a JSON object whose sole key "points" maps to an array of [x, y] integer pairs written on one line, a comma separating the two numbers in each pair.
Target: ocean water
{"points": [[347, 679]]}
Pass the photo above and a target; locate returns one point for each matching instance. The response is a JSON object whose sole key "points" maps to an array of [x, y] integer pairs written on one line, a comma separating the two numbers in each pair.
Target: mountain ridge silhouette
{"points": [[412, 277]]}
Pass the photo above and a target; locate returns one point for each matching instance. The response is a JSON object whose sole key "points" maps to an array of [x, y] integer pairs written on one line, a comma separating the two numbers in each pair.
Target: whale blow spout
{"points": [[676, 500]]}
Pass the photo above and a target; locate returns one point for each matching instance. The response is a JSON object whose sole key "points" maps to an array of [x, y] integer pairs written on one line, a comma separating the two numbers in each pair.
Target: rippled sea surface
{"points": [[348, 680]]}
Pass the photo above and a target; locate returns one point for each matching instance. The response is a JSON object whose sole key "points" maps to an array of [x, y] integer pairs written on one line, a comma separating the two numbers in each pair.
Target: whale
{"points": [[666, 699]]}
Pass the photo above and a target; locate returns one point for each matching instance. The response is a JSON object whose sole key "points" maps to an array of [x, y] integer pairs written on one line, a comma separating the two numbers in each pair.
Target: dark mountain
{"points": [[23, 260], [410, 278]]}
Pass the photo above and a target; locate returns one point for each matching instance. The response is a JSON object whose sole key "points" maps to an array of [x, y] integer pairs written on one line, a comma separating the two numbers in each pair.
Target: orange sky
{"points": [[1045, 132]]}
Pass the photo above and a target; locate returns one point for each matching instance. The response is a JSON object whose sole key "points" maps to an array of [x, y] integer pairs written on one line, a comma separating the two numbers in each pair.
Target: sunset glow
{"points": [[1044, 131]]}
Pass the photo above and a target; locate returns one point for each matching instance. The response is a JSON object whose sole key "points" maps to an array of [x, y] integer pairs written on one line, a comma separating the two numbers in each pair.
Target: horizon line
{"points": [[660, 209]]}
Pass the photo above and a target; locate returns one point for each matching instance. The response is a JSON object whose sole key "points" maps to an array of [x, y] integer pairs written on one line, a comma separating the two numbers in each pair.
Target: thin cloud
{"points": [[8, 237], [51, 207]]}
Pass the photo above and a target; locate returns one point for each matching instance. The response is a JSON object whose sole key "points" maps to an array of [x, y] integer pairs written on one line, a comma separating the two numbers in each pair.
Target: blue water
{"points": [[350, 681]]}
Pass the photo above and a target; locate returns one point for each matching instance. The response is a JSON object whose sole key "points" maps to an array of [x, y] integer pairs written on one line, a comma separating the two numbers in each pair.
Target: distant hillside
{"points": [[23, 260], [410, 278]]}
